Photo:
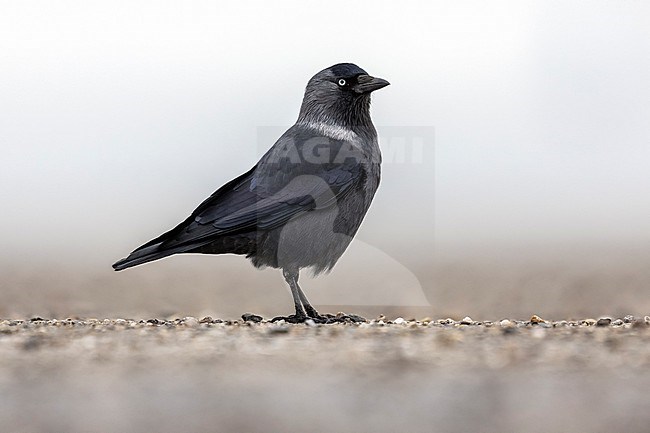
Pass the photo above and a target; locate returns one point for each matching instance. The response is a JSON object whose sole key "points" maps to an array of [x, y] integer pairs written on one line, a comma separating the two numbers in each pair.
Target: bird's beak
{"points": [[367, 84]]}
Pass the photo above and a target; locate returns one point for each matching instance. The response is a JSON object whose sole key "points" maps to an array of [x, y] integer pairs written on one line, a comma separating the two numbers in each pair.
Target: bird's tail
{"points": [[144, 255]]}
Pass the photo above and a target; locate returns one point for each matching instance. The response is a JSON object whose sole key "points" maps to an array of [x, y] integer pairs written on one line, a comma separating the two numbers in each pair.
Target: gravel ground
{"points": [[192, 374]]}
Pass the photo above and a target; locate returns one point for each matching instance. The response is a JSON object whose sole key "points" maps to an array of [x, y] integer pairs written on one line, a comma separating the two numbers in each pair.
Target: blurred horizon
{"points": [[515, 134]]}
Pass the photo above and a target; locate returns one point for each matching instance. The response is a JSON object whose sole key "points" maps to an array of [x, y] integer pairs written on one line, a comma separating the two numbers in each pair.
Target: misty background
{"points": [[515, 135]]}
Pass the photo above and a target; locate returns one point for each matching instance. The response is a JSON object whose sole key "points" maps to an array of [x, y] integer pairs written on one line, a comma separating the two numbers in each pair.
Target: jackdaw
{"points": [[302, 203]]}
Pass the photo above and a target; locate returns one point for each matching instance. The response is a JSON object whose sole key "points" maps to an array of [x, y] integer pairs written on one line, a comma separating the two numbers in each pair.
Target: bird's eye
{"points": [[342, 82]]}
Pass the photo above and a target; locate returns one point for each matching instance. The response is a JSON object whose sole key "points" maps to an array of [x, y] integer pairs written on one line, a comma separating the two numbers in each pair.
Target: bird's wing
{"points": [[281, 186]]}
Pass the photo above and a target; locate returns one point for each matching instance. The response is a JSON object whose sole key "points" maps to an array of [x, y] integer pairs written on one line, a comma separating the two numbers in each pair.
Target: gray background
{"points": [[531, 194]]}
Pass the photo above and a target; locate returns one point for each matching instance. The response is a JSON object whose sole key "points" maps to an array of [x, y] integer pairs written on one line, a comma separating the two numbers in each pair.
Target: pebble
{"points": [[506, 323], [466, 321], [250, 317], [279, 328], [617, 322], [604, 321], [399, 321], [190, 322], [535, 319]]}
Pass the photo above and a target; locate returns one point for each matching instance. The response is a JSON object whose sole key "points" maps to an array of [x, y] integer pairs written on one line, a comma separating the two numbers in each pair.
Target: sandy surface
{"points": [[120, 375]]}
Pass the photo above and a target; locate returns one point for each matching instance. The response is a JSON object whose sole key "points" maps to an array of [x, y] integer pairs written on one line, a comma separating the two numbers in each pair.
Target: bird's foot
{"points": [[331, 318], [325, 319], [294, 318], [338, 318]]}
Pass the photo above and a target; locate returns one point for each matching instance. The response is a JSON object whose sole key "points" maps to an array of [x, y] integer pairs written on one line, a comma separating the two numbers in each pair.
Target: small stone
{"points": [[310, 322], [190, 322], [646, 319], [250, 317], [399, 321], [466, 321], [628, 319], [426, 320], [506, 323], [604, 321], [588, 322], [207, 319], [120, 322], [535, 319], [617, 322], [279, 328]]}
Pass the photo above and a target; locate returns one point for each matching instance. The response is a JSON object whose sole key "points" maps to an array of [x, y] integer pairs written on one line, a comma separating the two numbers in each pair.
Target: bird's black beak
{"points": [[367, 84]]}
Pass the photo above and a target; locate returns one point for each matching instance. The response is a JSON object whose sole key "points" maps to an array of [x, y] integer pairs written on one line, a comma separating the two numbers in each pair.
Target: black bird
{"points": [[300, 206]]}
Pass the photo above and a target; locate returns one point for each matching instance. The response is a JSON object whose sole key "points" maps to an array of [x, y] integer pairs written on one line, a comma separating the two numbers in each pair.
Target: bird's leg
{"points": [[311, 311], [304, 310], [291, 277]]}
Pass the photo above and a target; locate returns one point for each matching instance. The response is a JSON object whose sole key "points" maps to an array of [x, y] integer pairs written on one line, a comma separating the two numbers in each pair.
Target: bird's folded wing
{"points": [[246, 207]]}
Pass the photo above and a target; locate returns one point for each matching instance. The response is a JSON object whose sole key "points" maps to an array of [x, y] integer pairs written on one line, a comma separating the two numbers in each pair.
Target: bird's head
{"points": [[340, 94]]}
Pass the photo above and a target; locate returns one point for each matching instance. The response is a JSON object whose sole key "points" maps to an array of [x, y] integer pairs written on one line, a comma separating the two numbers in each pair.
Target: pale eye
{"points": [[342, 82]]}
